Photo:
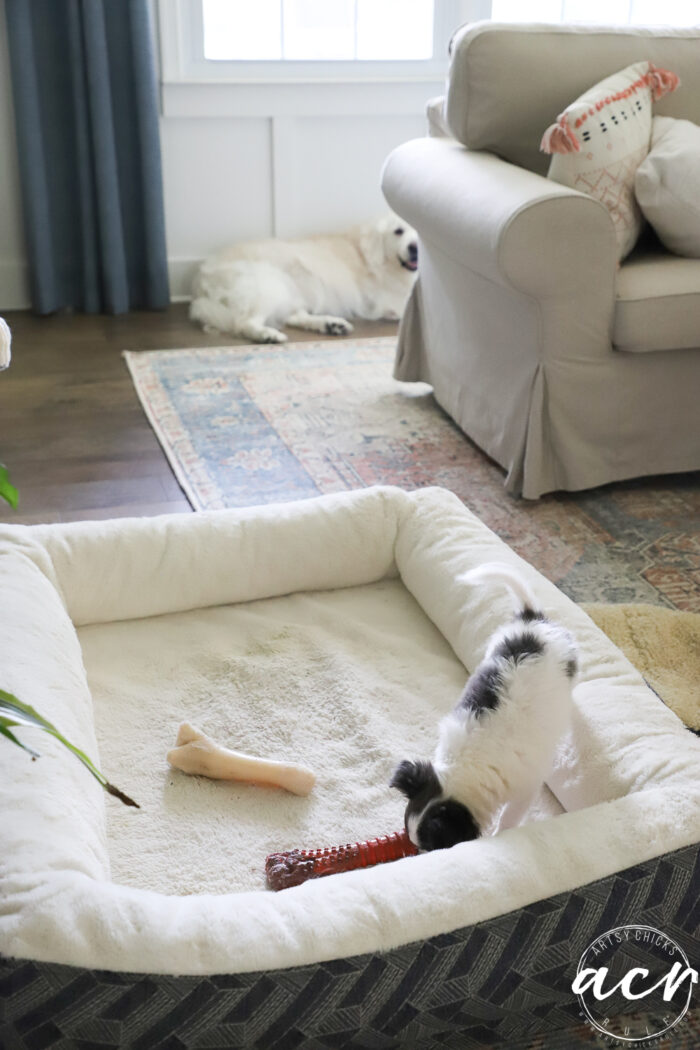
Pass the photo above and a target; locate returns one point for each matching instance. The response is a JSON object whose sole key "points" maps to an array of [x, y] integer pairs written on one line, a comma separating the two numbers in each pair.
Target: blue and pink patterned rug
{"points": [[247, 425]]}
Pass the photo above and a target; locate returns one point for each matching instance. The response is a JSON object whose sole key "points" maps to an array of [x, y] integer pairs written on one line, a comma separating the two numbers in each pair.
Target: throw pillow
{"points": [[667, 184], [600, 140]]}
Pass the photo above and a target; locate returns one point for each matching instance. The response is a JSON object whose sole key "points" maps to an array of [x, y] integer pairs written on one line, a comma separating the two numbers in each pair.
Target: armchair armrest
{"points": [[508, 224]]}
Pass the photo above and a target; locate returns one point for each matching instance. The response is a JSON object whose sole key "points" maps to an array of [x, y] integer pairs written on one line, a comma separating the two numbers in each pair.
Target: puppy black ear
{"points": [[413, 777]]}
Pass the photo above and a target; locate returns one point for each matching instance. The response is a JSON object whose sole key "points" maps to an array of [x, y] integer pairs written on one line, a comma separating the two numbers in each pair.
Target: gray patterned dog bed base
{"points": [[504, 984], [472, 947]]}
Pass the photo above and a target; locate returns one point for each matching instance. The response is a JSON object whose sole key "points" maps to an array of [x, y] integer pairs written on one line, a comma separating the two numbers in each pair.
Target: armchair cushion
{"points": [[658, 303], [667, 183]]}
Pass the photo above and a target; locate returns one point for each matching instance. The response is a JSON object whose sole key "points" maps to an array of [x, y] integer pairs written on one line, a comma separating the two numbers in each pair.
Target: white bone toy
{"points": [[197, 754]]}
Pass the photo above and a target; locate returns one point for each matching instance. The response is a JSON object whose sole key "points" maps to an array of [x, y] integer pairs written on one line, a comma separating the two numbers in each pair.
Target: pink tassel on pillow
{"points": [[559, 138], [662, 81]]}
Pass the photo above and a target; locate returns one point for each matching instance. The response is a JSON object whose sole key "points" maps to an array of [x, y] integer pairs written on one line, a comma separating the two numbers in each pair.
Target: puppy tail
{"points": [[499, 572]]}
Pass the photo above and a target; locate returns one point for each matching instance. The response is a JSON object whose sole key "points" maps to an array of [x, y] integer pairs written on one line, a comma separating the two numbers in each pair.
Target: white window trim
{"points": [[192, 86], [182, 52]]}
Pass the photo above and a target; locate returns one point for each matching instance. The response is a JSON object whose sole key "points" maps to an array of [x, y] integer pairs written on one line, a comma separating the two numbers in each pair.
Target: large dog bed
{"points": [[336, 629]]}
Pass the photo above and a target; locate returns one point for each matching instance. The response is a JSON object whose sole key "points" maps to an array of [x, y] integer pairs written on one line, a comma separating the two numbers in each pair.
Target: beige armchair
{"points": [[567, 370]]}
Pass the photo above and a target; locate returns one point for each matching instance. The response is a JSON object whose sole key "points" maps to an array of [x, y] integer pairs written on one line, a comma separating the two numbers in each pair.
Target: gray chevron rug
{"points": [[504, 984]]}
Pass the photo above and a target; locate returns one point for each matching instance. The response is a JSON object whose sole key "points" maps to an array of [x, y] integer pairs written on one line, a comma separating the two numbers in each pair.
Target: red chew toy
{"points": [[298, 865]]}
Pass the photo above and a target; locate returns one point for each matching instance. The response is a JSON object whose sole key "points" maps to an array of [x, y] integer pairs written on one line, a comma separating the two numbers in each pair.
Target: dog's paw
{"points": [[338, 326], [271, 335]]}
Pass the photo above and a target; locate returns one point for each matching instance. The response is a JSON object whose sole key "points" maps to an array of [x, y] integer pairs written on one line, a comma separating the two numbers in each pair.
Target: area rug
{"points": [[255, 424], [664, 645]]}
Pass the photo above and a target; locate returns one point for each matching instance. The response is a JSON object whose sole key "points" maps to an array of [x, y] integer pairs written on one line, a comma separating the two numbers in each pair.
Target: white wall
{"points": [[248, 160], [244, 164], [231, 178]]}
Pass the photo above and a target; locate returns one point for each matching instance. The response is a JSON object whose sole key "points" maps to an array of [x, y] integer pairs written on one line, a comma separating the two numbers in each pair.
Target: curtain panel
{"points": [[86, 114]]}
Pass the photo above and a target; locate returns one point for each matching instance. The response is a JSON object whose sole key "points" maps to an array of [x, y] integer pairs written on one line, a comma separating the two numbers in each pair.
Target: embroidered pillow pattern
{"points": [[600, 140]]}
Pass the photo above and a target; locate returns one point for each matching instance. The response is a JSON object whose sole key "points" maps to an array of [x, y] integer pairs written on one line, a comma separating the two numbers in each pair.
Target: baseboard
{"points": [[14, 285], [181, 273], [14, 282]]}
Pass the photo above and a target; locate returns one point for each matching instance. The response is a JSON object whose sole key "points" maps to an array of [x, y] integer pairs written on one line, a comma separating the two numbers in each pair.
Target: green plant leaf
{"points": [[4, 724], [15, 713], [7, 491]]}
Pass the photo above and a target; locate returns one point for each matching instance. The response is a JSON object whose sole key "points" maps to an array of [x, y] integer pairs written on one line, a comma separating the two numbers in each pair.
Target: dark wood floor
{"points": [[73, 434]]}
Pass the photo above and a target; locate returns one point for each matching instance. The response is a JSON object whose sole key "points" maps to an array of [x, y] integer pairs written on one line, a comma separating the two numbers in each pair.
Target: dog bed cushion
{"points": [[164, 607], [318, 676]]}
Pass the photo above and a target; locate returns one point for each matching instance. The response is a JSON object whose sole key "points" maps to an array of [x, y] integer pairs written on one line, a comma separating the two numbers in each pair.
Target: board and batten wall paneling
{"points": [[235, 178], [326, 170], [217, 188], [242, 162], [231, 178]]}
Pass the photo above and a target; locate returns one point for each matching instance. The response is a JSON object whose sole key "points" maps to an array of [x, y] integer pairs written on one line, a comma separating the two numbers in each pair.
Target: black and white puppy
{"points": [[497, 746]]}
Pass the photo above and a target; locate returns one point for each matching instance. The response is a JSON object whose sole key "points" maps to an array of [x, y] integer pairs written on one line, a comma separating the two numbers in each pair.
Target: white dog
{"points": [[497, 746], [318, 283]]}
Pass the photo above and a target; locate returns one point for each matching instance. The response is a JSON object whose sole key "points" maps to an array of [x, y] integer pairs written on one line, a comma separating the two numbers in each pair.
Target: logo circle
{"points": [[634, 984]]}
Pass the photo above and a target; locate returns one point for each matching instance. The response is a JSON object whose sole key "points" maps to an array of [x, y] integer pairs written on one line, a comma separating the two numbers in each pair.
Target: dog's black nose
{"points": [[413, 251]]}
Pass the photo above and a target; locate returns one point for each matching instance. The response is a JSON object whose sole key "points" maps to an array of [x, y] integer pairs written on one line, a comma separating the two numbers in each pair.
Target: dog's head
{"points": [[433, 820], [390, 242]]}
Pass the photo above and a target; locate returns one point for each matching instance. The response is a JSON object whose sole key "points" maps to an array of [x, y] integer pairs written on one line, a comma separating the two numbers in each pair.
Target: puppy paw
{"points": [[338, 326]]}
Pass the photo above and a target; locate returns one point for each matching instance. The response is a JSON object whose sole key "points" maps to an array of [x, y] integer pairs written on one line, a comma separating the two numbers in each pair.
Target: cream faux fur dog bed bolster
{"points": [[629, 775], [132, 568]]}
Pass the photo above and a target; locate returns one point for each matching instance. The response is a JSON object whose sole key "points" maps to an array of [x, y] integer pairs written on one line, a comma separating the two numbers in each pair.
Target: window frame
{"points": [[182, 53]]}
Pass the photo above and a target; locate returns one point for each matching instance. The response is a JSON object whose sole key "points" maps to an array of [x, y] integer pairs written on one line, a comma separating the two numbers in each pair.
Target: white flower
{"points": [[5, 341]]}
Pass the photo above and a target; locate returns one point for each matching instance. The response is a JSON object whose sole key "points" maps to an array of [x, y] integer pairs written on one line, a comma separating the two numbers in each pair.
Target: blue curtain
{"points": [[86, 115]]}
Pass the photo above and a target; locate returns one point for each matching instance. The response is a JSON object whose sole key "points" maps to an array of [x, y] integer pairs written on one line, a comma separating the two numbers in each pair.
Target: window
{"points": [[310, 40], [316, 30], [600, 12]]}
